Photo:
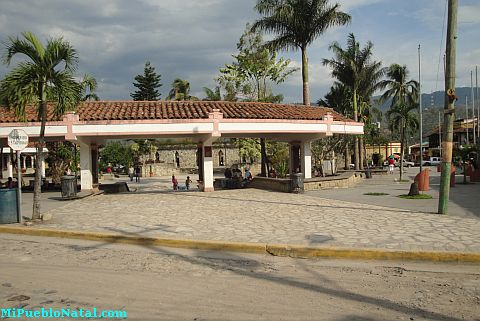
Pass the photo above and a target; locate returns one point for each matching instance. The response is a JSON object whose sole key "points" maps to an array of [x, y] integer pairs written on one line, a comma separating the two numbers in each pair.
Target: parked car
{"points": [[405, 163], [397, 163], [433, 161]]}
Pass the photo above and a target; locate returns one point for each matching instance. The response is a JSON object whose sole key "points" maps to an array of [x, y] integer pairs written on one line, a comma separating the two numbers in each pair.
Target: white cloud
{"points": [[469, 14], [191, 39], [352, 4]]}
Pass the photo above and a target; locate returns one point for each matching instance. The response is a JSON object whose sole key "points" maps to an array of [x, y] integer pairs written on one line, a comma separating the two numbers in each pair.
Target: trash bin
{"points": [[69, 186], [297, 183], [368, 173], [423, 179], [8, 206]]}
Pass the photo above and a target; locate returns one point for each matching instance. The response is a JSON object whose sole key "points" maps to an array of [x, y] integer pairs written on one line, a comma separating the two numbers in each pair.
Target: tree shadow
{"points": [[250, 268]]}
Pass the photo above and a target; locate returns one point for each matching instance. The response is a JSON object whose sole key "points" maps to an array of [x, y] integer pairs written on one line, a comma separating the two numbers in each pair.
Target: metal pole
{"points": [[440, 132], [420, 107], [473, 107], [19, 188], [466, 110], [473, 110], [449, 110], [478, 107]]}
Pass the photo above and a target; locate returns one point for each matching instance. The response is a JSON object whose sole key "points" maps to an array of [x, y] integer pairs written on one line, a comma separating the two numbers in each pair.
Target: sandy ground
{"points": [[167, 284]]}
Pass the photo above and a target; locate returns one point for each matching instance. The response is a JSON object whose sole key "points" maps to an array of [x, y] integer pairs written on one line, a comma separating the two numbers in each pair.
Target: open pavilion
{"points": [[201, 121]]}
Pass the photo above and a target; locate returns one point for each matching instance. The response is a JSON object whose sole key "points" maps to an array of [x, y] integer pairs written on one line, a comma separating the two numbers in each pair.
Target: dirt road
{"points": [[168, 284]]}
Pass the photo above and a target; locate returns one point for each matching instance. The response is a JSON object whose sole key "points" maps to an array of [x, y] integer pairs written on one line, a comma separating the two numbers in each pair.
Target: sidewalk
{"points": [[257, 216], [463, 198]]}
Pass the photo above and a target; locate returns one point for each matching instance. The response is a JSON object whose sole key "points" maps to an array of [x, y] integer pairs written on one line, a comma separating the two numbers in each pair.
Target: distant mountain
{"points": [[436, 99]]}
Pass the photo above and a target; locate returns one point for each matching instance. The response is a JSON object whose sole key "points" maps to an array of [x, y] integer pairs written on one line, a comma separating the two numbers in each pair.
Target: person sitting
{"points": [[272, 173], [248, 178], [248, 175], [10, 183], [228, 173]]}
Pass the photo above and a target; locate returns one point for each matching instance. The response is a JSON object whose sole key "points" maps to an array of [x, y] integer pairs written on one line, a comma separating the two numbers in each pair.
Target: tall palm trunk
{"points": [[263, 153], [306, 89], [361, 149], [347, 156], [37, 188], [402, 143], [356, 150]]}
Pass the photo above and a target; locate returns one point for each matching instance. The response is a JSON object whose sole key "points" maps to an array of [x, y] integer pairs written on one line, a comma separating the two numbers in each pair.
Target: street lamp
{"points": [[420, 107]]}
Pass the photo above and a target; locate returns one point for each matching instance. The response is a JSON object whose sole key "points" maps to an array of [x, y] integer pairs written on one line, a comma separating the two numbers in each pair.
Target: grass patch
{"points": [[376, 194], [416, 197]]}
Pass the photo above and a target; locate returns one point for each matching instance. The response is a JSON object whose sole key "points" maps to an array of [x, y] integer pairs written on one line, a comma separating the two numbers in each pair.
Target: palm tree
{"points": [[297, 23], [212, 95], [180, 90], [354, 68], [49, 69], [403, 95], [402, 117], [339, 99], [89, 85], [400, 90]]}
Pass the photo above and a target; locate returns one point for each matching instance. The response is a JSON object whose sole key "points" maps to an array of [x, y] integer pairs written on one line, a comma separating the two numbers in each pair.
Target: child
{"points": [[175, 183], [187, 183]]}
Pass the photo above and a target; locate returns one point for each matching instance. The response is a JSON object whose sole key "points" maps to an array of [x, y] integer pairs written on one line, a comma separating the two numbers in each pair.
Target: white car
{"points": [[405, 163], [433, 161], [397, 163]]}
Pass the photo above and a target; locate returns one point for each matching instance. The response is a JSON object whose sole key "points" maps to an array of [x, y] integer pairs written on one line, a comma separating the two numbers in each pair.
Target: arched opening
{"points": [[177, 159], [29, 161], [221, 160]]}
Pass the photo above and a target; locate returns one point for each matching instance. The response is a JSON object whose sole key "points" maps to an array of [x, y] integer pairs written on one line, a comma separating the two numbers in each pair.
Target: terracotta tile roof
{"points": [[142, 110]]}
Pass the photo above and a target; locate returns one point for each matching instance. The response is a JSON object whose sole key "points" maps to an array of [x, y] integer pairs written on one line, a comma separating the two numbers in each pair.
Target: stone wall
{"points": [[272, 184], [165, 163], [344, 180], [159, 169], [187, 155]]}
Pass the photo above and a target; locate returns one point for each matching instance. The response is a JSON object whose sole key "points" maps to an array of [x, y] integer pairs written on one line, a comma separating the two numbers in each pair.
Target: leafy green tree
{"points": [[296, 24], [116, 153], [248, 148], [142, 147], [279, 156], [147, 85], [356, 70], [49, 67], [254, 70], [62, 155]]}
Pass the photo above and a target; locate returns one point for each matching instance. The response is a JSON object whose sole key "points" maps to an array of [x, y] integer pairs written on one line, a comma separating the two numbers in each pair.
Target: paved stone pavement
{"points": [[463, 197], [252, 215]]}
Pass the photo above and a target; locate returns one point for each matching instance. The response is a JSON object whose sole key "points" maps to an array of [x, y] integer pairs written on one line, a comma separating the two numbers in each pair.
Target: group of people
{"points": [[134, 173], [176, 187], [234, 175]]}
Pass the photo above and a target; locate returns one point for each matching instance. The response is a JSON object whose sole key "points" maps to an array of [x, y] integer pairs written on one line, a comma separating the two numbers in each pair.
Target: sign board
{"points": [[17, 139]]}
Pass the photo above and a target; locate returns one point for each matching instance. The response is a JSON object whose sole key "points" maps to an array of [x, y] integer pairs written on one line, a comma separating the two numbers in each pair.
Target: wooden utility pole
{"points": [[449, 110]]}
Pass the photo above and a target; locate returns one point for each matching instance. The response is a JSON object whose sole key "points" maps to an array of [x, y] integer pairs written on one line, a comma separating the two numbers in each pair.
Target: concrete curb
{"points": [[295, 251]]}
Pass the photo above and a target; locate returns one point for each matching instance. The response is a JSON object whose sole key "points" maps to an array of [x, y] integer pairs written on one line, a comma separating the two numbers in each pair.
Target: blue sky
{"points": [[192, 39]]}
